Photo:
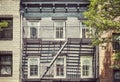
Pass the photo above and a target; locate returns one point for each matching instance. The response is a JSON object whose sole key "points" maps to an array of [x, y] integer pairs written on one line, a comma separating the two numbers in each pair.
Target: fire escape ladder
{"points": [[54, 59]]}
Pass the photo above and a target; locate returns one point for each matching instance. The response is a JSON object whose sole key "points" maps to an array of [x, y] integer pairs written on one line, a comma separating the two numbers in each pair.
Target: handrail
{"points": [[55, 57]]}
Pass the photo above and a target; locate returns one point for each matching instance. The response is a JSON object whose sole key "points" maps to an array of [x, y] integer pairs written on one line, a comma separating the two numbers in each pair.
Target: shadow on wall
{"points": [[107, 72]]}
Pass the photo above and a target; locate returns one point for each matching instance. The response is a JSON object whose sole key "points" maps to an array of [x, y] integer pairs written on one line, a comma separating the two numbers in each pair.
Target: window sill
{"points": [[5, 75], [5, 39], [62, 39]]}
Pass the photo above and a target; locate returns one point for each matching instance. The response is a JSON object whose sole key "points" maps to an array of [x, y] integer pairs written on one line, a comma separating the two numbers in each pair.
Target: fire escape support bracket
{"points": [[54, 59]]}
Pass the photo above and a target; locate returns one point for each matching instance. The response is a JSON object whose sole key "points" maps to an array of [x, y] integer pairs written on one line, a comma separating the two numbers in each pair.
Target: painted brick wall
{"points": [[11, 7]]}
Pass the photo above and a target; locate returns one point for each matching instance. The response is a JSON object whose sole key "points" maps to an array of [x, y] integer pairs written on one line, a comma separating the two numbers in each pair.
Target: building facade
{"points": [[47, 41], [10, 49], [109, 70], [56, 46]]}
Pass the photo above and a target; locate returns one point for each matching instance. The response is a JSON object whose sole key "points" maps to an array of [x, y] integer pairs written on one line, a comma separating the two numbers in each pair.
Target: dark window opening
{"points": [[33, 32], [5, 64], [6, 33], [116, 41], [33, 70]]}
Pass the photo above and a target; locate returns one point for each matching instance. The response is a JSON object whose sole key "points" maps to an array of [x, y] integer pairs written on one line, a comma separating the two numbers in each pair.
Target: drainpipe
{"points": [[21, 44]]}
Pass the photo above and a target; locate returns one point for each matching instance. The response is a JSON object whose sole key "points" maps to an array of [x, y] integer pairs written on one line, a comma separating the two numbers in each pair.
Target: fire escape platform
{"points": [[62, 80]]}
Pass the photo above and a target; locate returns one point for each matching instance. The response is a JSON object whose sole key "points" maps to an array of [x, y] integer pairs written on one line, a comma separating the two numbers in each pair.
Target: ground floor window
{"points": [[33, 67], [86, 66], [116, 75], [60, 67], [5, 64]]}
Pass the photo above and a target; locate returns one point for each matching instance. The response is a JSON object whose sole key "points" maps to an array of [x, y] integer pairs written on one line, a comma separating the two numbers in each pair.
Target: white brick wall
{"points": [[11, 7]]}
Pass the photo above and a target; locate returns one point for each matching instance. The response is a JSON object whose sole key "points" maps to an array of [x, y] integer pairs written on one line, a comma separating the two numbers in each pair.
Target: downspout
{"points": [[21, 44]]}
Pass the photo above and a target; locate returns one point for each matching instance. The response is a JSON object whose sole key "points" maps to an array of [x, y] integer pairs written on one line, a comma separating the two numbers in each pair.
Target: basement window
{"points": [[33, 67], [86, 67]]}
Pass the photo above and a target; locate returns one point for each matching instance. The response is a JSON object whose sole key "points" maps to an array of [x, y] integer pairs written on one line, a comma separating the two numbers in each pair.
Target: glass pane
{"points": [[117, 75], [86, 62], [59, 70], [6, 59], [57, 34], [6, 70], [33, 70], [33, 32], [60, 61], [61, 34], [33, 61]]}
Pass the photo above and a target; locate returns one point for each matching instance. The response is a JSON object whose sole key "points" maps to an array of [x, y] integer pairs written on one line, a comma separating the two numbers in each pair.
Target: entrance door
{"points": [[117, 76]]}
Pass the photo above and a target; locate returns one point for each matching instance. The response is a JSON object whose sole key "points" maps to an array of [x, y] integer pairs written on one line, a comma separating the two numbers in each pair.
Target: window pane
{"points": [[85, 69], [6, 70], [7, 32], [33, 70], [6, 65], [33, 32], [60, 70]]}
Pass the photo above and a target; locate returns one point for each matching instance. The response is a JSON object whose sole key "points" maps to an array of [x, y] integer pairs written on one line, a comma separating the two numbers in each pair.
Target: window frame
{"points": [[6, 63], [37, 27], [38, 64], [116, 41], [83, 30], [90, 59], [64, 67], [7, 31], [64, 27]]}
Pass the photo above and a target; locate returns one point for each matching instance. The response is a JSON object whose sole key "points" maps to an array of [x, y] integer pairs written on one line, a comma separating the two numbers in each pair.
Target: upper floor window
{"points": [[116, 41], [59, 30], [86, 67], [84, 30], [6, 64], [60, 69], [33, 67], [6, 33], [33, 29]]}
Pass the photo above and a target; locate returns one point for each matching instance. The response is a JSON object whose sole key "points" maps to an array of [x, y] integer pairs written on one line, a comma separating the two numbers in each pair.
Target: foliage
{"points": [[102, 15], [3, 24], [117, 56]]}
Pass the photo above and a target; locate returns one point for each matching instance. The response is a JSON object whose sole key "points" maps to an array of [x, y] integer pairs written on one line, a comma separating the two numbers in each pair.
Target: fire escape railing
{"points": [[54, 59]]}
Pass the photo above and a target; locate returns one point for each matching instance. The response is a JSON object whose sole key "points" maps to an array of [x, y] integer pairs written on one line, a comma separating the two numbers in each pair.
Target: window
{"points": [[7, 32], [60, 69], [33, 67], [117, 75], [86, 66], [33, 32], [84, 30], [116, 41], [5, 64], [59, 30], [33, 29]]}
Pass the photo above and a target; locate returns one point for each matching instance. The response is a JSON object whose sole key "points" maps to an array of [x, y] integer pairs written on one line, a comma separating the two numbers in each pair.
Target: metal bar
{"points": [[55, 57]]}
